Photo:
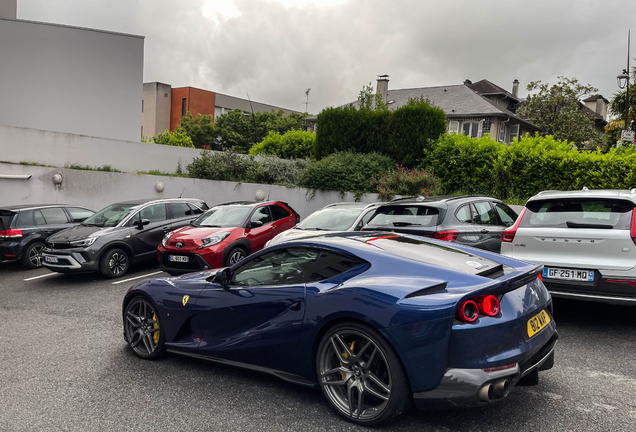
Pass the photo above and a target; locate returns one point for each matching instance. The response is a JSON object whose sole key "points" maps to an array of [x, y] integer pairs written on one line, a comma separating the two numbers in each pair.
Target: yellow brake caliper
{"points": [[345, 355], [155, 336]]}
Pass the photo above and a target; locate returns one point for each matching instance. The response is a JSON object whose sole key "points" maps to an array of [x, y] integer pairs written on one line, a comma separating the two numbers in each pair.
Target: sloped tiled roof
{"points": [[593, 98], [486, 87]]}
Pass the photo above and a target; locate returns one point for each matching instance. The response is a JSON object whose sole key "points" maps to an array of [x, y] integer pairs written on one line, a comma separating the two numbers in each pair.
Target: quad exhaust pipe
{"points": [[496, 390]]}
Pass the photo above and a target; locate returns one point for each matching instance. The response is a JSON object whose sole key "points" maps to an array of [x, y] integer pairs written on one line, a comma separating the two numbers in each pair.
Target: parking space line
{"points": [[41, 276], [136, 277]]}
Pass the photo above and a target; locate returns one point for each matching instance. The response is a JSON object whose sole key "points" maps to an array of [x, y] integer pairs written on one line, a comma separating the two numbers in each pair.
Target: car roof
{"points": [[586, 193], [250, 203], [155, 200], [351, 204], [438, 201], [21, 207]]}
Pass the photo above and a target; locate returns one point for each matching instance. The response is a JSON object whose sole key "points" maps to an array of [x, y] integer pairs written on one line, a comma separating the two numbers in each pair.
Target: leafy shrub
{"points": [[274, 170], [406, 182], [292, 144], [106, 168], [227, 166], [346, 172], [178, 138]]}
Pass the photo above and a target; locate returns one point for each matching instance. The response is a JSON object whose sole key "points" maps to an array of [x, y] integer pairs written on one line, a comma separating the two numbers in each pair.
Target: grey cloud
{"points": [[274, 52]]}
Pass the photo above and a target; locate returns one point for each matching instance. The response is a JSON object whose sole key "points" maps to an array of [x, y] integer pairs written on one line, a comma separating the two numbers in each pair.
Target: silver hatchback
{"points": [[585, 239]]}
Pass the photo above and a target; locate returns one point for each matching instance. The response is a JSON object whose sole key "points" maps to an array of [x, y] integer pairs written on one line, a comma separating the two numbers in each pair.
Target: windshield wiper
{"points": [[211, 226], [571, 224], [406, 224]]}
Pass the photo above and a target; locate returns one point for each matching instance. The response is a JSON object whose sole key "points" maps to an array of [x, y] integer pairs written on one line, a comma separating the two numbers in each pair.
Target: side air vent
{"points": [[429, 290]]}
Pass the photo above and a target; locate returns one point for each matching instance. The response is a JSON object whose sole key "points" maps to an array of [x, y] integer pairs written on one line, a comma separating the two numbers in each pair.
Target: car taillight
{"points": [[470, 309], [509, 235], [450, 235], [489, 305], [12, 233], [632, 229]]}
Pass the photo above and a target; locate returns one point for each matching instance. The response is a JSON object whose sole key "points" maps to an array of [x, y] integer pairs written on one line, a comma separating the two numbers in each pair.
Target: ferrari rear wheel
{"points": [[143, 328], [360, 375]]}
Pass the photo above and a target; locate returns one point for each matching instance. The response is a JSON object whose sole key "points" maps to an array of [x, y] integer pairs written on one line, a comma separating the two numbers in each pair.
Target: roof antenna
{"points": [[269, 191], [182, 192]]}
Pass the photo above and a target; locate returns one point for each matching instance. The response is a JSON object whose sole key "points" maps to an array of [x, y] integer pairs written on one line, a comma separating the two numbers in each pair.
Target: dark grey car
{"points": [[476, 221], [118, 235]]}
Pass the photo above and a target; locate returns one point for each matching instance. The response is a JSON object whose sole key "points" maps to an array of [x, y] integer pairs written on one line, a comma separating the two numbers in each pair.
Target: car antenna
{"points": [[182, 192]]}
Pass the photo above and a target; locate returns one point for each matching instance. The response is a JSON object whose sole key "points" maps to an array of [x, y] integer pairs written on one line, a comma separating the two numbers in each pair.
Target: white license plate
{"points": [[51, 259], [178, 258], [569, 274]]}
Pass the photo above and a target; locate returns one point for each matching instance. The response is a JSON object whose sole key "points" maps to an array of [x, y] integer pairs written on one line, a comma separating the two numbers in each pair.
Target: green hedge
{"points": [[347, 172], [527, 166], [292, 144], [402, 134]]}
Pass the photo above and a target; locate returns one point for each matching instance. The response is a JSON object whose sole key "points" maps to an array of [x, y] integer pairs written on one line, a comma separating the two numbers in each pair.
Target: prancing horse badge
{"points": [[185, 299]]}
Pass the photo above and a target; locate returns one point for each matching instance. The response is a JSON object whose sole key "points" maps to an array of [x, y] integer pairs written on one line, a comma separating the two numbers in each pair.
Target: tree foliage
{"points": [[178, 138], [617, 104], [557, 111], [237, 129], [291, 144]]}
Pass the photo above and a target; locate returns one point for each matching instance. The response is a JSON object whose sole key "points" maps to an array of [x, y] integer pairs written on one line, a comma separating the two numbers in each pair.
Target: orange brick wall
{"points": [[197, 102]]}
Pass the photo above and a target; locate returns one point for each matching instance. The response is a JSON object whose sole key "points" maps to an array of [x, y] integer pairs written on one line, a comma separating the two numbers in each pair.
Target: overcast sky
{"points": [[276, 49]]}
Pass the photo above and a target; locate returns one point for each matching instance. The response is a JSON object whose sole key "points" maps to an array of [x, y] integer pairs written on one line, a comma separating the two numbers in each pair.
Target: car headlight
{"points": [[83, 243], [268, 242], [212, 240], [165, 239]]}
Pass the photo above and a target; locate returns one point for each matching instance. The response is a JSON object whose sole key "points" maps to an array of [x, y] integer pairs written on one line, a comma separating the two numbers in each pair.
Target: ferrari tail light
{"points": [[509, 235], [12, 233], [449, 235], [632, 229], [468, 311], [489, 305]]}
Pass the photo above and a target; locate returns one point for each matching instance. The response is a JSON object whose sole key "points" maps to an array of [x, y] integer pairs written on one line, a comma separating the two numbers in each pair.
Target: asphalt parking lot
{"points": [[64, 366]]}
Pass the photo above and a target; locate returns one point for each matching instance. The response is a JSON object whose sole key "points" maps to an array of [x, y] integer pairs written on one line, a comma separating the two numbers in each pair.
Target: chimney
{"points": [[9, 9], [383, 86], [515, 88]]}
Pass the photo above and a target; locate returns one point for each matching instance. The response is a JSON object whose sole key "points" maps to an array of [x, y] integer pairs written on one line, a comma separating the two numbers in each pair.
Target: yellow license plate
{"points": [[538, 323]]}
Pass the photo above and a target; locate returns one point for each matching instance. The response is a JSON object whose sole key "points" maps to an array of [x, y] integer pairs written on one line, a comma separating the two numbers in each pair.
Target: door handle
{"points": [[485, 231], [48, 231], [295, 306], [165, 229]]}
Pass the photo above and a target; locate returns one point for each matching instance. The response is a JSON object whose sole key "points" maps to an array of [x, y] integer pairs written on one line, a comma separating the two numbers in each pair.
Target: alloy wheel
{"points": [[142, 327], [35, 256], [118, 263], [355, 375], [236, 256]]}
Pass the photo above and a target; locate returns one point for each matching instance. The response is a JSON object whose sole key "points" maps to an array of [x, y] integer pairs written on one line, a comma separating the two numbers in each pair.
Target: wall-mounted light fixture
{"points": [[57, 179], [159, 186], [259, 195]]}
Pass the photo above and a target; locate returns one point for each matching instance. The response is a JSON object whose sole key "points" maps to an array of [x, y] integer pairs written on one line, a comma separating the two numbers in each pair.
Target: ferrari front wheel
{"points": [[360, 375], [143, 328]]}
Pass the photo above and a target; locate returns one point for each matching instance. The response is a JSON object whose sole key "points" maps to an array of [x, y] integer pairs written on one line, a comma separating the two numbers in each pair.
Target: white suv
{"points": [[585, 239]]}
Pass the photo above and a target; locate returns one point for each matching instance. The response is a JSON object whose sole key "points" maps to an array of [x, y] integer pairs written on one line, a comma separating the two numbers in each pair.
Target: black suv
{"points": [[122, 233], [476, 221], [24, 228]]}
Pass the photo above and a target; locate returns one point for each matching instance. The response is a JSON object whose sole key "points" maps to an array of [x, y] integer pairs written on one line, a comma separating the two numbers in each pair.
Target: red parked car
{"points": [[224, 235]]}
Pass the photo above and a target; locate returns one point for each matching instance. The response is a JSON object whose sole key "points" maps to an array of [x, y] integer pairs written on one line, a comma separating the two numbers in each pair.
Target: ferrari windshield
{"points": [[331, 219], [225, 216], [110, 216]]}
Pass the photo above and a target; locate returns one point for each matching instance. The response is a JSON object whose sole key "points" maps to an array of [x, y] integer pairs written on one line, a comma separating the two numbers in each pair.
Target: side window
{"points": [[79, 214], [281, 267], [484, 214], [278, 212], [53, 216], [331, 264], [39, 219], [261, 214], [463, 214], [195, 210], [180, 210], [154, 213], [365, 219], [506, 214]]}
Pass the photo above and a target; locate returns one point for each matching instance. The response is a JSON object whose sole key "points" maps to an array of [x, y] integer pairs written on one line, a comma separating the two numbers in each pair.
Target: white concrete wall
{"points": [[61, 149], [95, 189], [70, 79]]}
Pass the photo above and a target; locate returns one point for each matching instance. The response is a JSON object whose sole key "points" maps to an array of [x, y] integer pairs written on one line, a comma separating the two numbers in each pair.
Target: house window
{"points": [[471, 129], [183, 107], [453, 126], [514, 132], [501, 135]]}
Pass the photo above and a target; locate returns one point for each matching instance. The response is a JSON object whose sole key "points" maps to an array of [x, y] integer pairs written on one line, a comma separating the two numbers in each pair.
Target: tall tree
{"points": [[200, 129], [557, 110]]}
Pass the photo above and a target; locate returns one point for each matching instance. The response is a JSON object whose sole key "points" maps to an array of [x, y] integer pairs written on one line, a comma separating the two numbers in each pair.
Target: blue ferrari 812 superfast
{"points": [[379, 321]]}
